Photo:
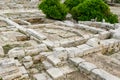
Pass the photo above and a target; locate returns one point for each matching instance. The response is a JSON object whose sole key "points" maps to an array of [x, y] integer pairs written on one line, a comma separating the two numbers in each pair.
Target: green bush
{"points": [[93, 9], [53, 9], [72, 3], [117, 1]]}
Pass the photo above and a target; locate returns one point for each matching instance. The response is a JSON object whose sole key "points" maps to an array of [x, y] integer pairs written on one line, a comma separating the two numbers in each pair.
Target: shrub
{"points": [[91, 9], [53, 9], [72, 3], [117, 1]]}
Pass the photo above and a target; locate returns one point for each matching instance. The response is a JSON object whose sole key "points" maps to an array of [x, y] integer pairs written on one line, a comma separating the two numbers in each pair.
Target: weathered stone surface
{"points": [[60, 52], [9, 69], [1, 52], [47, 65], [56, 73], [54, 60], [27, 61], [86, 67], [103, 75], [50, 44], [76, 61], [16, 52], [37, 35], [94, 42], [42, 76]]}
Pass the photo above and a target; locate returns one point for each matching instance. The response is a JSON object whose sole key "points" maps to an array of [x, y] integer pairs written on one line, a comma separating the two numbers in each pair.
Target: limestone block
{"points": [[27, 59], [103, 75], [68, 71], [86, 67], [104, 35], [47, 65], [23, 70], [36, 35], [54, 60], [74, 52], [76, 61], [41, 76], [28, 64], [67, 43], [1, 52], [60, 52], [94, 42], [69, 23], [32, 52], [116, 34], [16, 52], [50, 44], [42, 47], [43, 55], [8, 69], [18, 63], [86, 48], [56, 73]]}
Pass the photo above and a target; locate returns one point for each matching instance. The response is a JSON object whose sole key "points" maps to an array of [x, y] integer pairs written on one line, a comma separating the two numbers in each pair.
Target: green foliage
{"points": [[93, 9], [105, 1], [53, 9], [117, 1], [72, 3]]}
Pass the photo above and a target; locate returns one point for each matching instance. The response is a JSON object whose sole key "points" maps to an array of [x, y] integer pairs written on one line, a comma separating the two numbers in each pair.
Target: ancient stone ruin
{"points": [[33, 47]]}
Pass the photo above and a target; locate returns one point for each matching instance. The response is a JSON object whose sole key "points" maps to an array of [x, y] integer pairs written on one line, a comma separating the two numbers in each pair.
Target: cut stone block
{"points": [[94, 42], [86, 67], [68, 70], [1, 52], [16, 52], [43, 55], [18, 63], [32, 52], [36, 35], [9, 69], [103, 75], [60, 52], [23, 70], [27, 59], [54, 60], [56, 73], [76, 61], [74, 52], [86, 48], [50, 44], [105, 35], [28, 64], [42, 47], [47, 65], [41, 76]]}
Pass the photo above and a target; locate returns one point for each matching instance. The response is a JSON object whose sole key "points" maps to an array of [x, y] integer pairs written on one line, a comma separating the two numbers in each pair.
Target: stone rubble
{"points": [[33, 47]]}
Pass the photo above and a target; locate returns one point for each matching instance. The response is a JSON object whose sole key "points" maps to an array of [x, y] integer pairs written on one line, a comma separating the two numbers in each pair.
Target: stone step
{"points": [[91, 70], [47, 65], [55, 73], [42, 76], [54, 60]]}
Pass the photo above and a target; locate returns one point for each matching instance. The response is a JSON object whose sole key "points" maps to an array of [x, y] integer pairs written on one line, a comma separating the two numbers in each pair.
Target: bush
{"points": [[53, 9], [117, 1], [93, 9], [72, 3]]}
